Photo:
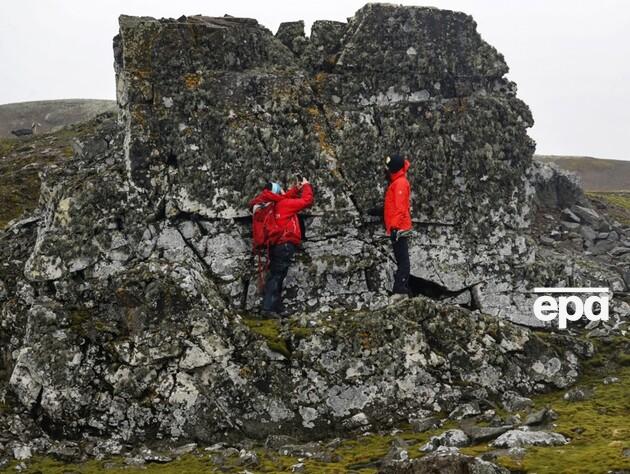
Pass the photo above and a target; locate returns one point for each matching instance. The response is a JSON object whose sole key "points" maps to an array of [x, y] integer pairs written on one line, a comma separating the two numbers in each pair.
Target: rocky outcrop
{"points": [[129, 294]]}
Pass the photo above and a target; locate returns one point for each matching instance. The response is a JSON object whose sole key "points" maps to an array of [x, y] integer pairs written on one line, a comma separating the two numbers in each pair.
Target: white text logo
{"points": [[547, 308]]}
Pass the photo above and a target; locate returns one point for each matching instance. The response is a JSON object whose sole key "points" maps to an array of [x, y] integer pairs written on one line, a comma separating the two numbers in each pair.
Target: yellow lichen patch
{"points": [[62, 215], [138, 116], [192, 81], [319, 82], [324, 143], [143, 74]]}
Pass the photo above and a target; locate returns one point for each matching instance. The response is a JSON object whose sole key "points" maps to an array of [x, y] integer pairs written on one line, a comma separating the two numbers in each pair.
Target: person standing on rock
{"points": [[277, 228], [397, 216]]}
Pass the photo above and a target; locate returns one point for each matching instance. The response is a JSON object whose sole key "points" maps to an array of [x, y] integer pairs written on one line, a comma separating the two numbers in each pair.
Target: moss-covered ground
{"points": [[617, 204], [21, 161], [599, 429]]}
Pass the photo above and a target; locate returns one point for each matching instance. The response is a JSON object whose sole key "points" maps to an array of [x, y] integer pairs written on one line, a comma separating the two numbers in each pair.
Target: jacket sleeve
{"points": [[401, 205], [295, 205], [292, 193]]}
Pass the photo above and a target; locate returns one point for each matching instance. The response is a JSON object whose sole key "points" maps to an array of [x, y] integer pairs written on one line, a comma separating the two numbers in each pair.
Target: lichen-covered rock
{"points": [[520, 438], [126, 297], [451, 439], [444, 462]]}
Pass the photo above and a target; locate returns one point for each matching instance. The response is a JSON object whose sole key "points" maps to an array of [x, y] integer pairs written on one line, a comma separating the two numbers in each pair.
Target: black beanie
{"points": [[394, 163]]}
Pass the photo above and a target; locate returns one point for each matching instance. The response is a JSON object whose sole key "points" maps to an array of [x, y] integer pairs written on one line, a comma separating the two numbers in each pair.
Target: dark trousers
{"points": [[280, 260], [401, 277]]}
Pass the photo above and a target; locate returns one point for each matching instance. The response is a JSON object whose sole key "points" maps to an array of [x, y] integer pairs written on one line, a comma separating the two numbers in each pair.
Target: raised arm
{"points": [[299, 203]]}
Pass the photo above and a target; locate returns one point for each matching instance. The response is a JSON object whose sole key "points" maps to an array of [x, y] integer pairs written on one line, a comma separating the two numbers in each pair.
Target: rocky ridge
{"points": [[127, 295]]}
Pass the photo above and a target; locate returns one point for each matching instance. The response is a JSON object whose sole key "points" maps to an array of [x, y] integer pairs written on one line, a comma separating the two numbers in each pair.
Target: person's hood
{"points": [[401, 172], [266, 196]]}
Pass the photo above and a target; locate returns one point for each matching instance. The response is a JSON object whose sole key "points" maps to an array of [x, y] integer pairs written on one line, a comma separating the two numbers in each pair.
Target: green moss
{"points": [[617, 203], [599, 429], [7, 145], [21, 162], [270, 330], [78, 318], [68, 152], [188, 464]]}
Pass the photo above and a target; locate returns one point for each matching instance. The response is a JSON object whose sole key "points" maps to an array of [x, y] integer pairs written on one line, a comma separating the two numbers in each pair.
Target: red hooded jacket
{"points": [[287, 207], [397, 213]]}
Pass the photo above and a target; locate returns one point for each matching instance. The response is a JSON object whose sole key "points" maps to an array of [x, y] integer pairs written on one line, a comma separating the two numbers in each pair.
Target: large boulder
{"points": [[129, 291]]}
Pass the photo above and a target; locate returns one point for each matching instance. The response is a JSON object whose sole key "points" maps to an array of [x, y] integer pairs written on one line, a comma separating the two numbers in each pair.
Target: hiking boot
{"points": [[265, 314], [283, 312], [397, 298]]}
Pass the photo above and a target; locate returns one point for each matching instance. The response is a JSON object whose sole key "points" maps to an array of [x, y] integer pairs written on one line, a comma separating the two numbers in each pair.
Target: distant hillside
{"points": [[597, 174], [51, 114]]}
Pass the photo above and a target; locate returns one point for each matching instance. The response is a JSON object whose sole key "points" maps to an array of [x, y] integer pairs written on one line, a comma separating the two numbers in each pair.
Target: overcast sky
{"points": [[570, 58]]}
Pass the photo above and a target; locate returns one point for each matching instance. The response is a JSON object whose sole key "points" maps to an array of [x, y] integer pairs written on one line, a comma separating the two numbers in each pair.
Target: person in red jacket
{"points": [[398, 220], [287, 206]]}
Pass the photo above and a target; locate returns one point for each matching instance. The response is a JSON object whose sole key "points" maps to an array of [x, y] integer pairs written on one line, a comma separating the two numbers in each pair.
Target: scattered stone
{"points": [[619, 251], [356, 421], [570, 215], [22, 452], [248, 458], [513, 402], [478, 434], [185, 449], [520, 438], [425, 424], [578, 394], [313, 450], [610, 380], [398, 453], [540, 416], [446, 461], [464, 411], [277, 441], [569, 225], [547, 241], [134, 461], [451, 438], [603, 246], [588, 233], [587, 215], [66, 451]]}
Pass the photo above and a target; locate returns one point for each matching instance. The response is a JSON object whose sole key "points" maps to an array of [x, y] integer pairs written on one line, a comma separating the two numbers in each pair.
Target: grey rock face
{"points": [[128, 294]]}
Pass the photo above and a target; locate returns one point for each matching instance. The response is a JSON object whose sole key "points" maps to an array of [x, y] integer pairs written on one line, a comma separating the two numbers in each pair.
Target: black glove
{"points": [[395, 235]]}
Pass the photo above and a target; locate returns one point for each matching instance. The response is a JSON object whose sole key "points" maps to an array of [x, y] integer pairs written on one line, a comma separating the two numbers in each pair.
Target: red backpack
{"points": [[265, 233], [265, 229]]}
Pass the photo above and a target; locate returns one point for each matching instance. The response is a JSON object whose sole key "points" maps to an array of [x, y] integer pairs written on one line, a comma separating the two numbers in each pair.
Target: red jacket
{"points": [[397, 213], [287, 207]]}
